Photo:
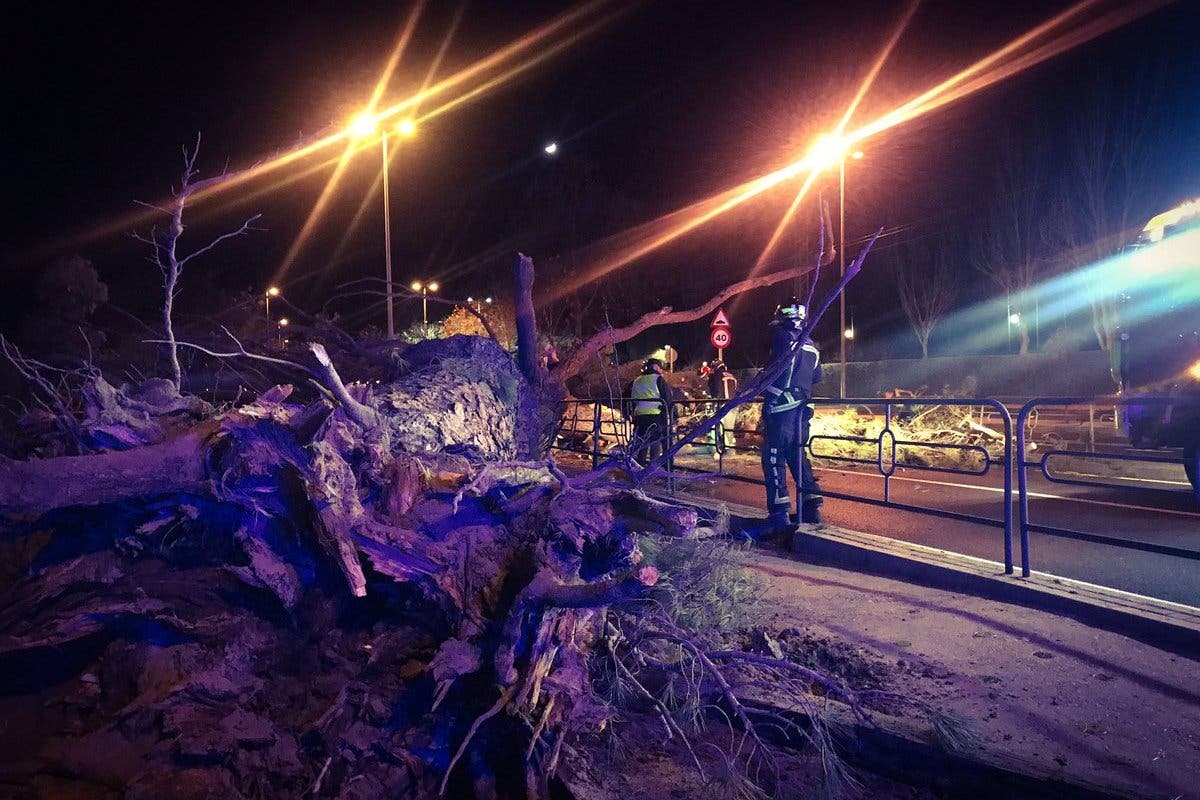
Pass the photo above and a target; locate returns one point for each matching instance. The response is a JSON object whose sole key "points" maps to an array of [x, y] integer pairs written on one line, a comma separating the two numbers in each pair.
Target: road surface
{"points": [[1134, 513], [1171, 520]]}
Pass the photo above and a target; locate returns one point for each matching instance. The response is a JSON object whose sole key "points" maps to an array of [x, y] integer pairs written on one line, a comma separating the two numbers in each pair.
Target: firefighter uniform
{"points": [[650, 398], [786, 413]]}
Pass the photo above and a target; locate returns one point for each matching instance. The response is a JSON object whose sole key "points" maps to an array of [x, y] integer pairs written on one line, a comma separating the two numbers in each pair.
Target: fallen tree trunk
{"points": [[165, 583], [37, 487]]}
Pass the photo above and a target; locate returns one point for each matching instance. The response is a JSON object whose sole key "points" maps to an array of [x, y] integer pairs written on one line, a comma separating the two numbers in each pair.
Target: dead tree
{"points": [[926, 287], [165, 246], [1105, 195]]}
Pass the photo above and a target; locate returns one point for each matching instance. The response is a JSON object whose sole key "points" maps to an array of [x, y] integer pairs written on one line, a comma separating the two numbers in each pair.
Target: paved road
{"points": [[1134, 513]]}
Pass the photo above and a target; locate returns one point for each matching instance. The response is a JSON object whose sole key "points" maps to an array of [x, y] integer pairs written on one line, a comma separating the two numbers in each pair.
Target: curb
{"points": [[1169, 626]]}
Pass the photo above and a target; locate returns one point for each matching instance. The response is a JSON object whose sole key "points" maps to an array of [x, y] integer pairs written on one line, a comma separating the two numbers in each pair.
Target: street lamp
{"points": [[479, 309], [283, 323], [828, 150], [551, 149], [425, 289], [362, 126], [272, 291]]}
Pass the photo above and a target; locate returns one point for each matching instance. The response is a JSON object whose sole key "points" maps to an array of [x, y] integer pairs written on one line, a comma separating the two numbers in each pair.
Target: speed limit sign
{"points": [[720, 338]]}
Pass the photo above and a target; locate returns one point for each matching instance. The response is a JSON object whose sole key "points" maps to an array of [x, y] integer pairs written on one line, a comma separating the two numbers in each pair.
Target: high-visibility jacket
{"points": [[793, 388], [647, 395]]}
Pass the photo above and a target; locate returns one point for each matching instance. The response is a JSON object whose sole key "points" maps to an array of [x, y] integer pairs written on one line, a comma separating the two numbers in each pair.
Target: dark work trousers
{"points": [[784, 434], [649, 435]]}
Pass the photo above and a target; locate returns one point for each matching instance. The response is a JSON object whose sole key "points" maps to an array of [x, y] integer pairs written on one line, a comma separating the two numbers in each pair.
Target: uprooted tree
{"points": [[164, 247], [363, 590]]}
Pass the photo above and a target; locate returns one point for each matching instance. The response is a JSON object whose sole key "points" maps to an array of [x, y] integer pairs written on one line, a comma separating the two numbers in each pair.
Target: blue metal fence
{"points": [[1023, 464], [1013, 446]]}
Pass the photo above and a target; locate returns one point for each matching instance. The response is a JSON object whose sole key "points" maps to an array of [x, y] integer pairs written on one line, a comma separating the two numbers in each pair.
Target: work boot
{"points": [[774, 526], [810, 512]]}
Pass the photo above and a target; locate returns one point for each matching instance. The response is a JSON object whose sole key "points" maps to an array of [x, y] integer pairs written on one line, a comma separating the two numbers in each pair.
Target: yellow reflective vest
{"points": [[646, 397]]}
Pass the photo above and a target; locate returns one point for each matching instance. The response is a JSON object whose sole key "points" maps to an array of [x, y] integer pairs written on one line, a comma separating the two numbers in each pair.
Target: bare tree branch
{"points": [[925, 285]]}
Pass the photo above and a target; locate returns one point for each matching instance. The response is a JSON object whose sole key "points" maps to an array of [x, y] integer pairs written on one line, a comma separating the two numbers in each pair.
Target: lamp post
{"points": [[272, 291], [283, 323], [425, 289], [825, 152], [847, 333], [362, 126], [475, 302]]}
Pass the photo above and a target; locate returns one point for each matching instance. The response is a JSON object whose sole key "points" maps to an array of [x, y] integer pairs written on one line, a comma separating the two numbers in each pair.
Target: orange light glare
{"points": [[827, 151], [406, 127], [416, 286], [273, 291], [433, 287], [1194, 370], [363, 125]]}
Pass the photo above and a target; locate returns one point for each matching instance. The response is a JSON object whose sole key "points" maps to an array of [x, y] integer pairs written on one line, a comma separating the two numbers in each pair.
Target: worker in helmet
{"points": [[650, 398], [786, 412]]}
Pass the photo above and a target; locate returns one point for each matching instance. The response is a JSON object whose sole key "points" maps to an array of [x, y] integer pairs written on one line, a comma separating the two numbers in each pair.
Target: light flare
{"points": [[868, 81], [497, 59], [985, 72]]}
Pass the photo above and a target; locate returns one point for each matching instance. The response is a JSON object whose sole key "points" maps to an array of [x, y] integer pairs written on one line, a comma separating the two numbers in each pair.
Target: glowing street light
{"points": [[272, 291], [829, 150], [476, 302], [1014, 318], [425, 289], [362, 126], [551, 149]]}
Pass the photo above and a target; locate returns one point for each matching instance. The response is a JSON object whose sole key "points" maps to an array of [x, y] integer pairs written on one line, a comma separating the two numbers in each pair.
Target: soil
{"points": [[635, 762], [1084, 703]]}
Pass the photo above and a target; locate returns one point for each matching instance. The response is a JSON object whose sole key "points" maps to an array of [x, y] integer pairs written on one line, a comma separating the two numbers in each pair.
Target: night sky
{"points": [[668, 103]]}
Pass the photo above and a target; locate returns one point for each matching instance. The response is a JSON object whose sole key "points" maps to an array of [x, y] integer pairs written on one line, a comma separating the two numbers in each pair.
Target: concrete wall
{"points": [[1055, 374]]}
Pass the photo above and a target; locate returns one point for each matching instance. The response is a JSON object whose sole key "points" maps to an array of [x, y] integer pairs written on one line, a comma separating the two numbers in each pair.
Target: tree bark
{"points": [[36, 487], [526, 320], [575, 364]]}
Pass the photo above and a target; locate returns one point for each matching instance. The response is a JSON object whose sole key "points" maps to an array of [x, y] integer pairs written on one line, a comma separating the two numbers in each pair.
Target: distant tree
{"points": [[462, 321], [926, 287], [1009, 250], [165, 247], [64, 295], [420, 331], [1105, 194], [70, 289]]}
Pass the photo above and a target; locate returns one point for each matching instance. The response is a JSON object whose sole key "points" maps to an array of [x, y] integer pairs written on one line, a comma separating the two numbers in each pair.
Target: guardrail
{"points": [[886, 441], [1014, 444], [1043, 464]]}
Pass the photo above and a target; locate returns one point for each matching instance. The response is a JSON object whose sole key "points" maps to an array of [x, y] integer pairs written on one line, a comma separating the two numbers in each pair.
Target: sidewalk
{"points": [[1077, 702]]}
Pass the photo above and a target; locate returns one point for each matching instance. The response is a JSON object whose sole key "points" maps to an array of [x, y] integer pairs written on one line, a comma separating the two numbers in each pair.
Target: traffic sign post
{"points": [[720, 335]]}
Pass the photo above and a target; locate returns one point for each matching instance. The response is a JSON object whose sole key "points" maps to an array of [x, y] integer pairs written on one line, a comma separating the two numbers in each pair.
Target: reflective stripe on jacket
{"points": [[647, 399], [794, 388]]}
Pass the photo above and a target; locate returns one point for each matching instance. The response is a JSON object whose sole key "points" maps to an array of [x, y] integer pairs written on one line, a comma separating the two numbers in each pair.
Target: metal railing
{"points": [[1023, 464], [888, 449], [887, 442]]}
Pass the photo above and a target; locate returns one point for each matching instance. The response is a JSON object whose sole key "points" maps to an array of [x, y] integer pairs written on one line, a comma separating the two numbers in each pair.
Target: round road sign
{"points": [[720, 338]]}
